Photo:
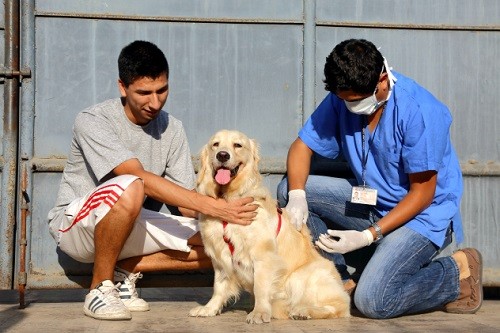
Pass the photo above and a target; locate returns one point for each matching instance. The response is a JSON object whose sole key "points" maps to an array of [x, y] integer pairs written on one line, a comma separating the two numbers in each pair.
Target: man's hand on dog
{"points": [[297, 208], [240, 211]]}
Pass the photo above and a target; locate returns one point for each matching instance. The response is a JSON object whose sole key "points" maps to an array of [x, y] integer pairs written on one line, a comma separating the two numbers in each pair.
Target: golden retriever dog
{"points": [[268, 258]]}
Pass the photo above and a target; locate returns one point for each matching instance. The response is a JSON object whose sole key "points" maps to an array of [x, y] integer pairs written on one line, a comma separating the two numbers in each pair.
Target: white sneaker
{"points": [[127, 291], [104, 303]]}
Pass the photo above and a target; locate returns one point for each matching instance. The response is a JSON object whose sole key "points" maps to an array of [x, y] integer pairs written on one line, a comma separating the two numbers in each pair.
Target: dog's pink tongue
{"points": [[223, 176]]}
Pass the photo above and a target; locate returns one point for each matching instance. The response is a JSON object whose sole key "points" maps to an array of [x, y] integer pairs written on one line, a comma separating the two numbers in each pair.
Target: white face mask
{"points": [[366, 106]]}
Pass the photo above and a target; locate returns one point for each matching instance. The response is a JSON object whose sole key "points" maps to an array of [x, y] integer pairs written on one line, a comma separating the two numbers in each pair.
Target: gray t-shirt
{"points": [[103, 138]]}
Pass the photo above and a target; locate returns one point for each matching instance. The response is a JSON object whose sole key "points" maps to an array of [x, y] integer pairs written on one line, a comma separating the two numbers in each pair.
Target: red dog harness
{"points": [[228, 241]]}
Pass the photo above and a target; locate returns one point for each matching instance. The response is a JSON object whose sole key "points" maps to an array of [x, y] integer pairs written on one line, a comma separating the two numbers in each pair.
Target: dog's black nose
{"points": [[222, 156]]}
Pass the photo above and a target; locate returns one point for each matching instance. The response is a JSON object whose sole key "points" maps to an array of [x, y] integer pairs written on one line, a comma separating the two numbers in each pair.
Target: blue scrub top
{"points": [[411, 136]]}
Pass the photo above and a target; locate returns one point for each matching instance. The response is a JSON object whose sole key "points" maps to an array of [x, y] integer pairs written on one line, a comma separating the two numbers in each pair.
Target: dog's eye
{"points": [[237, 145], [215, 144]]}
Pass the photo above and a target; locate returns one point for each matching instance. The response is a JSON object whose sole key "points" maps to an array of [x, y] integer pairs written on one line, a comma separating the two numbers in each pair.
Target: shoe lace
{"points": [[111, 294], [132, 278], [473, 295]]}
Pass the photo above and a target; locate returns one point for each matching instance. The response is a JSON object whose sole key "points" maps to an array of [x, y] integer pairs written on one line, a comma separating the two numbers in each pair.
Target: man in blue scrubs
{"points": [[405, 198]]}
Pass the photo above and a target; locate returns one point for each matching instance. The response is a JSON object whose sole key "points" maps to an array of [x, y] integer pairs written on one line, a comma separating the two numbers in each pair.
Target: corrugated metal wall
{"points": [[255, 66]]}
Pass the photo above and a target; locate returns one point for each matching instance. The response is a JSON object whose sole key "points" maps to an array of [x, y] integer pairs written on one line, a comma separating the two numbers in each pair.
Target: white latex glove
{"points": [[297, 208], [343, 241]]}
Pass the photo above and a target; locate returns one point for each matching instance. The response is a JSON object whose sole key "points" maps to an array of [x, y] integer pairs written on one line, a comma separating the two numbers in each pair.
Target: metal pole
{"points": [[308, 102], [25, 152], [10, 127], [23, 242]]}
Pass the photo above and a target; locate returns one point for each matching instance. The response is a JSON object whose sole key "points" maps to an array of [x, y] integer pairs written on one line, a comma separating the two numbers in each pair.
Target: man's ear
{"points": [[122, 88], [383, 76]]}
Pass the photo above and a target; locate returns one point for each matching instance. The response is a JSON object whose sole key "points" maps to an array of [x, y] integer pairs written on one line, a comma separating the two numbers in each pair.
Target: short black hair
{"points": [[141, 59], [354, 64]]}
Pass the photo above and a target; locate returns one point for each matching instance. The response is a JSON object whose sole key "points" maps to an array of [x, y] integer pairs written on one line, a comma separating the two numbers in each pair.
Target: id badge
{"points": [[364, 195]]}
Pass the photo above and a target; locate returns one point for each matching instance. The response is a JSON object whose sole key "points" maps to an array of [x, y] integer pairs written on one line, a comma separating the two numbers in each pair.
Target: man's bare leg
{"points": [[113, 230], [170, 260]]}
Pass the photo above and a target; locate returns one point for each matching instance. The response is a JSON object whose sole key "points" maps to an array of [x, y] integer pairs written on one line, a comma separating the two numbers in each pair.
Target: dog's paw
{"points": [[300, 314], [203, 311], [259, 317]]}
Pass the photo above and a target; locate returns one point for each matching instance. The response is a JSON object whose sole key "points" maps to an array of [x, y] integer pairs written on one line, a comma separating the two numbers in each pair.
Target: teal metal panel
{"points": [[224, 74], [450, 65], [458, 67], [189, 10], [422, 13]]}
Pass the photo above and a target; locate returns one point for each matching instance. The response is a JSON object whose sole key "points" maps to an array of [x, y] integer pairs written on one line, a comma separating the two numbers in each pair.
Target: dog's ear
{"points": [[202, 171], [205, 183], [255, 149]]}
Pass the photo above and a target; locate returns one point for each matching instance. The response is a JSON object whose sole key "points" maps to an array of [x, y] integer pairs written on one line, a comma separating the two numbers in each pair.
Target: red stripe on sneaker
{"points": [[105, 195]]}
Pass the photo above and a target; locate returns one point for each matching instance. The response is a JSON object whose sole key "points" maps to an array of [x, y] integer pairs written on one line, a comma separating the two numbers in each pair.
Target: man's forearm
{"points": [[298, 165]]}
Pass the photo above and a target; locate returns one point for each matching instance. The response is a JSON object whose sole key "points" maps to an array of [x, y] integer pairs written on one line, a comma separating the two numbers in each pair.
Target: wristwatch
{"points": [[378, 231]]}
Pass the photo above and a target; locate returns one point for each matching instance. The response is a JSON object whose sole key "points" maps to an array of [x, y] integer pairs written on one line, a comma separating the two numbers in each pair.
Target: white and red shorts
{"points": [[152, 232]]}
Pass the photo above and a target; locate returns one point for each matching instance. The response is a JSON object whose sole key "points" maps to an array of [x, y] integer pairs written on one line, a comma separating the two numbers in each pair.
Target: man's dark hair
{"points": [[354, 64], [141, 59]]}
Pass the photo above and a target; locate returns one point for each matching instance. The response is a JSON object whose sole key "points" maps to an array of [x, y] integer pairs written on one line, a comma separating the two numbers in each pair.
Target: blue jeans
{"points": [[399, 273]]}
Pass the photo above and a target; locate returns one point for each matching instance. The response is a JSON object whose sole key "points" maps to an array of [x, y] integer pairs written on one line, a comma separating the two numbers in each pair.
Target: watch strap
{"points": [[378, 231]]}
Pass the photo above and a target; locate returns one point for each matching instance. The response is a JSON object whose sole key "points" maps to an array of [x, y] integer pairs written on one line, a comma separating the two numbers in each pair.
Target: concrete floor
{"points": [[61, 311]]}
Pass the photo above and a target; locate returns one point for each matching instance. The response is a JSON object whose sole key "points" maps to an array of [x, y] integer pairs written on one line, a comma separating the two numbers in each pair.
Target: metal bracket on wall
{"points": [[9, 73]]}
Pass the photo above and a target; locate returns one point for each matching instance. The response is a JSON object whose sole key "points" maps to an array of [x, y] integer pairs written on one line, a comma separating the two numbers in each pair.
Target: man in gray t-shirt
{"points": [[123, 151]]}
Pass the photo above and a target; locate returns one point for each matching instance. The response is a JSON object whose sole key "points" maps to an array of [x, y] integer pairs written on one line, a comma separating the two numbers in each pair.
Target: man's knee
{"points": [[132, 198], [373, 303]]}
